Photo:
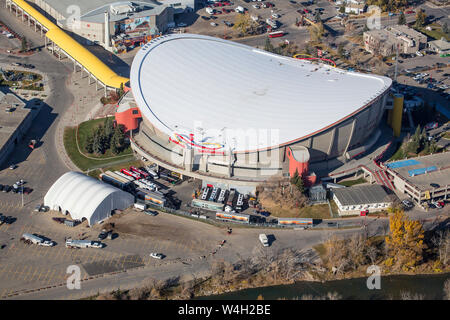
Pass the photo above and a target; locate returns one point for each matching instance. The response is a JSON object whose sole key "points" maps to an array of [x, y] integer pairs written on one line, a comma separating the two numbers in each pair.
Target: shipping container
{"points": [[234, 217]]}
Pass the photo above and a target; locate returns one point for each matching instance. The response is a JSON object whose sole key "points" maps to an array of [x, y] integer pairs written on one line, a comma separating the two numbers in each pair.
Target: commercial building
{"points": [[114, 24], [422, 178], [255, 118], [356, 8], [441, 46], [353, 200], [385, 41], [87, 198], [16, 118]]}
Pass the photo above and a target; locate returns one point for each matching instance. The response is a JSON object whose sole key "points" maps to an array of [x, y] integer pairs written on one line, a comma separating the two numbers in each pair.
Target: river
{"points": [[430, 286]]}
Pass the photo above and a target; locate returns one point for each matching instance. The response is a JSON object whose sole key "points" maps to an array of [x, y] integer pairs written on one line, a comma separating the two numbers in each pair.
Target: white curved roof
{"points": [[85, 197], [185, 81]]}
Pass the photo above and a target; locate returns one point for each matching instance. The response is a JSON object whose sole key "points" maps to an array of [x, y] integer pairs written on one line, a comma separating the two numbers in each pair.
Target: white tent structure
{"points": [[84, 197]]}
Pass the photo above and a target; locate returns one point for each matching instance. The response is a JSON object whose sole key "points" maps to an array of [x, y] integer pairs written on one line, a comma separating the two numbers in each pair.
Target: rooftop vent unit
{"points": [[119, 8]]}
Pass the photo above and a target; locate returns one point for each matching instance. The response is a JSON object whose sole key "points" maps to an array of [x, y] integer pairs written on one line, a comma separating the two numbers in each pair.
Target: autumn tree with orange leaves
{"points": [[405, 243]]}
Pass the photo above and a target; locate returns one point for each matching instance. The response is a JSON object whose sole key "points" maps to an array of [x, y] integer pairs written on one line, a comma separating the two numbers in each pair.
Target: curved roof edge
{"points": [[135, 69]]}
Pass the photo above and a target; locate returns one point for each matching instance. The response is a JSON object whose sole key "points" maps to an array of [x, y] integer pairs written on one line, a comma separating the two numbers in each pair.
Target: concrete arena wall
{"points": [[331, 143], [326, 145]]}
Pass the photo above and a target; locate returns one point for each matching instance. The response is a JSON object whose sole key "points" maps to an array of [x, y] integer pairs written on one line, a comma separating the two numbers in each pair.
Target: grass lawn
{"points": [[80, 160], [435, 33], [87, 128], [319, 211], [349, 183]]}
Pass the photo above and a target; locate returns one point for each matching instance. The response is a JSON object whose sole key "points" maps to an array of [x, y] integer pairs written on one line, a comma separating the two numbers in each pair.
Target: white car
{"points": [[47, 243], [156, 255], [214, 24], [276, 16], [419, 54], [255, 6]]}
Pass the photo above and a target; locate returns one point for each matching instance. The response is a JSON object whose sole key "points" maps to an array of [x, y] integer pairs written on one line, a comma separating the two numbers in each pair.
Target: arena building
{"points": [[114, 23], [228, 113]]}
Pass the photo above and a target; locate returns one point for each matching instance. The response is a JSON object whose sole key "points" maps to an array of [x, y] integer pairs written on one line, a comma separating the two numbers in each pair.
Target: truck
{"points": [[231, 197], [154, 197], [114, 180], [152, 172], [70, 243], [214, 194], [140, 206], [240, 202], [28, 237], [120, 174], [239, 9], [264, 240], [32, 144]]}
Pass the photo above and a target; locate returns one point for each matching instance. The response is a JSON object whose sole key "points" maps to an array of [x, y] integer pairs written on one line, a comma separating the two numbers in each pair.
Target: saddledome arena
{"points": [[222, 111]]}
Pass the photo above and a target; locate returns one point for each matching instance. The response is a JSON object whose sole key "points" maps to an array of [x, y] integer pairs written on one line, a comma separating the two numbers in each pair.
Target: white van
{"points": [[264, 240]]}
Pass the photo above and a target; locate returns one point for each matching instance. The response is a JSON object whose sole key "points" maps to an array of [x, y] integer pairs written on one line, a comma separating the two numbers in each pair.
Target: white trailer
{"points": [[37, 240], [140, 206], [83, 244]]}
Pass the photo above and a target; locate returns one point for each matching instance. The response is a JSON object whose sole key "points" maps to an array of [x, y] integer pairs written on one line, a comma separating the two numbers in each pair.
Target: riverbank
{"points": [[393, 287]]}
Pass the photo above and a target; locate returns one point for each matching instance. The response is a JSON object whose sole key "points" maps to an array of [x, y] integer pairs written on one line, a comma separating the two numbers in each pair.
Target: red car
{"points": [[409, 12], [364, 213], [226, 3], [441, 203]]}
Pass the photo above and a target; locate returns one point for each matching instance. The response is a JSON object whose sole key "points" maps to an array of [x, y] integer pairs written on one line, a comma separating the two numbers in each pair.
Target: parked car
{"points": [[7, 188], [157, 255], [435, 185], [103, 235], [1, 187], [12, 167]]}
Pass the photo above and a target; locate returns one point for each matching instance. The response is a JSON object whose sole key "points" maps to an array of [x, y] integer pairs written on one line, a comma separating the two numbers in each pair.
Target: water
{"points": [[430, 286]]}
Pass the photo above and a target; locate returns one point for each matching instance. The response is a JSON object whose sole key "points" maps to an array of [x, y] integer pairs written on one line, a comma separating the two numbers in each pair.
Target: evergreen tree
{"points": [[109, 127], [268, 46], [445, 28], [89, 144], [401, 18], [24, 44]]}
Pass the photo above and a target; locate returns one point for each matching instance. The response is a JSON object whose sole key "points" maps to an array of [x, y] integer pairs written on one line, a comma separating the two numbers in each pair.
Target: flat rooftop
{"points": [[360, 195], [214, 88], [440, 176], [9, 121]]}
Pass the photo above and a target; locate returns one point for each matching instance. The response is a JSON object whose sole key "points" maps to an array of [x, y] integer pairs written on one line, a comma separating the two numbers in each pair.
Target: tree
{"points": [[341, 50], [244, 24], [24, 44], [89, 144], [445, 28], [297, 180], [401, 18], [317, 16], [405, 242], [121, 90], [268, 45], [109, 127], [420, 18], [118, 140], [342, 9]]}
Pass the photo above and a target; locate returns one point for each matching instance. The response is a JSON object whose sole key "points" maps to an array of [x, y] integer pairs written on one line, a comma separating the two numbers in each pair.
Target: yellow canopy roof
{"points": [[93, 64], [35, 14], [100, 70]]}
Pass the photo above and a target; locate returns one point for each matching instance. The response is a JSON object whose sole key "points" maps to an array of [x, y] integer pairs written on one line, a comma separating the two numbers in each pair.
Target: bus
{"points": [[138, 171], [131, 174], [276, 34]]}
